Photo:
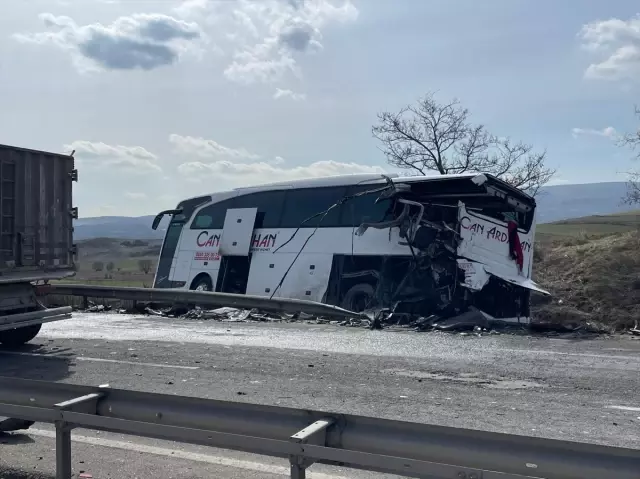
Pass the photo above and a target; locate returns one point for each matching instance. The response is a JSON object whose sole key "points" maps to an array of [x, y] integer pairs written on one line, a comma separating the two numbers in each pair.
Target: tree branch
{"points": [[430, 136]]}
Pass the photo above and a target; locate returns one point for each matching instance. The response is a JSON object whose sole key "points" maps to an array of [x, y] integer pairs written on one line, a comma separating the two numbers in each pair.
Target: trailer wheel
{"points": [[358, 298], [19, 336]]}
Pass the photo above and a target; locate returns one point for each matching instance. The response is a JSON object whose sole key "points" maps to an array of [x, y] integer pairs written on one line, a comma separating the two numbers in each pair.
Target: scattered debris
{"points": [[97, 308], [471, 322]]}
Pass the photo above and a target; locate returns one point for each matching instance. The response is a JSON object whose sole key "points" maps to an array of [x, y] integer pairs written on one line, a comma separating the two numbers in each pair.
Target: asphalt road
{"points": [[564, 388]]}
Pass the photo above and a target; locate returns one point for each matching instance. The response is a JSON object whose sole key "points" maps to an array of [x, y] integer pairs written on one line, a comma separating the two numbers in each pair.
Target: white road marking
{"points": [[100, 360], [190, 456], [563, 353], [624, 408], [155, 365], [621, 349]]}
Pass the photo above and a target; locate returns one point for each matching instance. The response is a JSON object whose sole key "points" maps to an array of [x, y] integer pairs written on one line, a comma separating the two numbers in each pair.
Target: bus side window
{"points": [[269, 204], [364, 208], [211, 217], [301, 204]]}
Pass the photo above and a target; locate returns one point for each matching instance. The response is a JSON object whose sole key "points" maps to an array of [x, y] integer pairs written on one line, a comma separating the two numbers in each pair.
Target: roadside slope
{"points": [[593, 280]]}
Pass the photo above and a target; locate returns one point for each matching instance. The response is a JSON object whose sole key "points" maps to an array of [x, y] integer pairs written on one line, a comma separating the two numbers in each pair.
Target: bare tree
{"points": [[144, 265], [632, 140], [432, 136]]}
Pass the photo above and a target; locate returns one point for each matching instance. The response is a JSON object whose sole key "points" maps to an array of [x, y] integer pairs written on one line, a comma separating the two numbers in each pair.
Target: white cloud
{"points": [[134, 158], [248, 174], [236, 170], [191, 145], [136, 196], [280, 93], [268, 35], [608, 132], [617, 44], [140, 41], [258, 64], [263, 39], [192, 8]]}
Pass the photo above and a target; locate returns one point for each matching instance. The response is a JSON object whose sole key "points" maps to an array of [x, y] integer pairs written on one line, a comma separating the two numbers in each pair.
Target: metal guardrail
{"points": [[21, 320], [202, 298], [306, 437]]}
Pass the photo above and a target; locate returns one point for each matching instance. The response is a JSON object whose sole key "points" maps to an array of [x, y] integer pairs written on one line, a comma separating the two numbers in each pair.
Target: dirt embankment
{"points": [[594, 281]]}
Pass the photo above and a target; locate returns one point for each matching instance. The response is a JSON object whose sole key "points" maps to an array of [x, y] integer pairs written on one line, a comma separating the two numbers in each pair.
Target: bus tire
{"points": [[358, 297], [202, 282], [19, 336]]}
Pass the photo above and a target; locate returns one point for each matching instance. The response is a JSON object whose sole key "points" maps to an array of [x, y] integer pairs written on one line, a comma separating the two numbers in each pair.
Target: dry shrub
{"points": [[592, 280]]}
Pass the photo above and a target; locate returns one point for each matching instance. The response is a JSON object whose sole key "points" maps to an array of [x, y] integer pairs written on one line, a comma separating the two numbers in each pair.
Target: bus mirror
{"points": [[159, 216], [156, 221]]}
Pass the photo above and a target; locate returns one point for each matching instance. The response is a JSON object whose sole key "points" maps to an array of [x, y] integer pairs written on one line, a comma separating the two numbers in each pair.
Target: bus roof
{"points": [[365, 178]]}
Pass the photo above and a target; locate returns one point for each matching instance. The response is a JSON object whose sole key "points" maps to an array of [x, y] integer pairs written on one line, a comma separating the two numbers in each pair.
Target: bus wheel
{"points": [[358, 298], [19, 336], [201, 283]]}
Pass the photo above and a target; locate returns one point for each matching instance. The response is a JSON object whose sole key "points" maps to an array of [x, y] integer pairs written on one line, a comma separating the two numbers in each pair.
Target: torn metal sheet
{"points": [[475, 274], [523, 282]]}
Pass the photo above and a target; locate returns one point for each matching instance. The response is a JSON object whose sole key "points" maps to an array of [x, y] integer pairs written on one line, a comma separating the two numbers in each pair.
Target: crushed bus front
{"points": [[471, 241]]}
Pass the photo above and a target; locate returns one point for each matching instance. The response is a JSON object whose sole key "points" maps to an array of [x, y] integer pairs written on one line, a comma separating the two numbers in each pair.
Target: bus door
{"points": [[234, 249]]}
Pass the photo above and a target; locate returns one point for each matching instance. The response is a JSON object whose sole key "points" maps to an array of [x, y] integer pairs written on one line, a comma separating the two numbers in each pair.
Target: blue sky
{"points": [[164, 99]]}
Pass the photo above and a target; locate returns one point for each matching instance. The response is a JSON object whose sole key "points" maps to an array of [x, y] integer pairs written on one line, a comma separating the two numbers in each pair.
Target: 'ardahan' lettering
{"points": [[494, 233]]}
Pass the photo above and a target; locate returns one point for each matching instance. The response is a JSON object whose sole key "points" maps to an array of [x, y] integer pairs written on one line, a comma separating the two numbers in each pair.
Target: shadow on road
{"points": [[36, 361], [14, 439], [11, 473]]}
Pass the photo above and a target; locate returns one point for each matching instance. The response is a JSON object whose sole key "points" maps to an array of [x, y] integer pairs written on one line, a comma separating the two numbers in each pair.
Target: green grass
{"points": [[591, 226], [108, 282]]}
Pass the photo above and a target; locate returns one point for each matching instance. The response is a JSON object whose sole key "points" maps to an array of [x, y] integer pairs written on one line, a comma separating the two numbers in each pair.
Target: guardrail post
{"points": [[315, 433], [63, 450], [87, 404], [298, 470]]}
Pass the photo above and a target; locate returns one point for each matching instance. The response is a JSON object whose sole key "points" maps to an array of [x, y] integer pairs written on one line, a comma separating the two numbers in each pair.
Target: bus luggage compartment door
{"points": [[237, 232]]}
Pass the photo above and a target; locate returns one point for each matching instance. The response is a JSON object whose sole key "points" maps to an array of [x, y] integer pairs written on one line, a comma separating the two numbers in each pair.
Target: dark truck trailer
{"points": [[36, 237]]}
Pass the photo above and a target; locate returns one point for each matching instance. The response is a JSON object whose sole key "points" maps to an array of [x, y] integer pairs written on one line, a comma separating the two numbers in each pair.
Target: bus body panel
{"points": [[266, 272], [308, 277], [486, 241], [237, 231]]}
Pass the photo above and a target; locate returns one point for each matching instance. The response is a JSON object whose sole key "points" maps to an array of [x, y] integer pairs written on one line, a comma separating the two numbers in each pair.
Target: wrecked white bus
{"points": [[435, 245]]}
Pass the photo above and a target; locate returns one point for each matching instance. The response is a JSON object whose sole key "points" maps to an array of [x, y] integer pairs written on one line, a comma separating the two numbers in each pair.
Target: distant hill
{"points": [[123, 227], [561, 202], [555, 203], [591, 226]]}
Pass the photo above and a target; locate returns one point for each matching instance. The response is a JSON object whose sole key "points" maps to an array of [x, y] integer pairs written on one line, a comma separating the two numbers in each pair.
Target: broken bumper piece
{"points": [[477, 275]]}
